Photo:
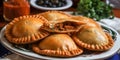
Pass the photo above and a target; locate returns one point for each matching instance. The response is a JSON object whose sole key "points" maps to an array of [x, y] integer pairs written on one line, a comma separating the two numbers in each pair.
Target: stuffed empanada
{"points": [[59, 45], [26, 29], [92, 37]]}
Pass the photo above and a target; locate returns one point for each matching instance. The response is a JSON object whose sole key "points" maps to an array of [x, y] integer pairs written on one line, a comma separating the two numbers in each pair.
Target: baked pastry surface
{"points": [[54, 15], [26, 29], [59, 45], [92, 37]]}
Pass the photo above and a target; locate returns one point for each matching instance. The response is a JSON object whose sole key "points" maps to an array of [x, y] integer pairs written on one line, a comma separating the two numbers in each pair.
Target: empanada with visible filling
{"points": [[93, 38], [26, 29], [64, 25], [59, 45], [54, 15]]}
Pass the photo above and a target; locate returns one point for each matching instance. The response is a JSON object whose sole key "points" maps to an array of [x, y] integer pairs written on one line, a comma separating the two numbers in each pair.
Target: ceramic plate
{"points": [[87, 55]]}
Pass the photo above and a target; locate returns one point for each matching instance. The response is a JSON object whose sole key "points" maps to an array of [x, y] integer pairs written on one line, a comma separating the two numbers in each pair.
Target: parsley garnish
{"points": [[95, 9]]}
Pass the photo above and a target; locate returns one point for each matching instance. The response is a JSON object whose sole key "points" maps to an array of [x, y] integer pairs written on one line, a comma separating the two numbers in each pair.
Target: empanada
{"points": [[59, 45], [26, 29]]}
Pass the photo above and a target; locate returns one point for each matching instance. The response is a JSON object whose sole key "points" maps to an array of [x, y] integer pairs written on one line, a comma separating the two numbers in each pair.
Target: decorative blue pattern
{"points": [[4, 51], [115, 57]]}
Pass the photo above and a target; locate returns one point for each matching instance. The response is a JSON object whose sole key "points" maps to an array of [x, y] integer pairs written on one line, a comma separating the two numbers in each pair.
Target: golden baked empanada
{"points": [[64, 25], [59, 45], [92, 37], [26, 29], [54, 15]]}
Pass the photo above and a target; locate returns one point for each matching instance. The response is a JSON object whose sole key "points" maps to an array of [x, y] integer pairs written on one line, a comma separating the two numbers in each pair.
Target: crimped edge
{"points": [[28, 39], [95, 47], [56, 53]]}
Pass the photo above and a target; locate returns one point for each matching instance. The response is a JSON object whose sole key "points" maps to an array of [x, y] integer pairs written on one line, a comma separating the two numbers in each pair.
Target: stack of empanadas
{"points": [[55, 33]]}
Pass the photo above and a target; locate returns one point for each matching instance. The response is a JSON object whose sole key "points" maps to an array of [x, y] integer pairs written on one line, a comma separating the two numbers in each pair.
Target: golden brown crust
{"points": [[26, 29], [59, 45], [54, 15], [95, 47], [91, 36]]}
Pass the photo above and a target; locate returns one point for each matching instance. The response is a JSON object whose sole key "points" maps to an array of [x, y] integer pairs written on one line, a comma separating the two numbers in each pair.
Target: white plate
{"points": [[69, 4], [33, 55]]}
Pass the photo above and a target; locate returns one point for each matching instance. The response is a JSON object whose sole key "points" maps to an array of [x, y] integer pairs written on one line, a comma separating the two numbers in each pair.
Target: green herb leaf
{"points": [[95, 9]]}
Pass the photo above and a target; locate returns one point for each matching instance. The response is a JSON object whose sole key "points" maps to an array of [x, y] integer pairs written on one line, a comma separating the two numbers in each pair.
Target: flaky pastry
{"points": [[92, 37], [26, 29], [59, 45]]}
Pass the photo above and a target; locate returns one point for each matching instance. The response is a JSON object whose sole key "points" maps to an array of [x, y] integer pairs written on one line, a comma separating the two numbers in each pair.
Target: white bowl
{"points": [[69, 4], [92, 56]]}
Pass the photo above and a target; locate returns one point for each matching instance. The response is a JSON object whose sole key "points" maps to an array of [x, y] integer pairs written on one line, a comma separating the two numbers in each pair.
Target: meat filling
{"points": [[66, 26]]}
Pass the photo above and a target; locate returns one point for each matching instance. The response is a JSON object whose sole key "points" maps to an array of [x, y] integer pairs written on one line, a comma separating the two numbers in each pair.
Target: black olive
{"points": [[56, 2], [63, 4], [51, 3], [60, 4], [46, 2], [44, 5], [54, 6], [39, 2]]}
